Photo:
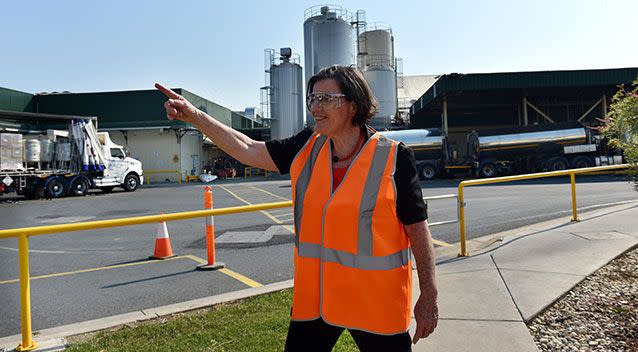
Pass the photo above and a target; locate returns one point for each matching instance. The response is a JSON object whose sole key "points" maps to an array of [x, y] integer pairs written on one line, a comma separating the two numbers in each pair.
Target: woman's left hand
{"points": [[426, 314]]}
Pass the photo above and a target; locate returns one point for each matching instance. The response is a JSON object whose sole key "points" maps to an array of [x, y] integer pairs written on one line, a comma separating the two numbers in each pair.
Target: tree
{"points": [[621, 126]]}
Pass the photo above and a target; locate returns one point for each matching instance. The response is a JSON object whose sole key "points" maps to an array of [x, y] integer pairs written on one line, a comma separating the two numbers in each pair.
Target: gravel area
{"points": [[599, 314]]}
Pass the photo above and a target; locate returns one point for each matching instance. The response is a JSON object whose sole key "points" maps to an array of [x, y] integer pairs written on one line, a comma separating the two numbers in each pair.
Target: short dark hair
{"points": [[355, 88]]}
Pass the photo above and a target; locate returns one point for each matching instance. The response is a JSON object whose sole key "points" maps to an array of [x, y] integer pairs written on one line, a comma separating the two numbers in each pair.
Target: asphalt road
{"points": [[124, 280]]}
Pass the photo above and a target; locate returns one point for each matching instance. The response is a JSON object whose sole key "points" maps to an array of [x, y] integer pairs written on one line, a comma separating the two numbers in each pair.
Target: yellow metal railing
{"points": [[150, 172], [23, 235], [571, 173]]}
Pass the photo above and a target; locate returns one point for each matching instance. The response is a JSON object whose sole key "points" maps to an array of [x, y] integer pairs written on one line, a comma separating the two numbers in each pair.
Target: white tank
{"points": [[31, 150], [286, 97], [376, 58], [384, 86], [376, 46], [329, 39]]}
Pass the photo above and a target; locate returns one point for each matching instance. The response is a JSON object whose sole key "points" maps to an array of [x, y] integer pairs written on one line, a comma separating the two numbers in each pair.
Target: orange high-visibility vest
{"points": [[352, 263]]}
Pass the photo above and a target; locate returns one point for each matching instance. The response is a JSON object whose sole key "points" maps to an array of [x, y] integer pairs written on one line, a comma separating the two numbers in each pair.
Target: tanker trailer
{"points": [[537, 148], [428, 147]]}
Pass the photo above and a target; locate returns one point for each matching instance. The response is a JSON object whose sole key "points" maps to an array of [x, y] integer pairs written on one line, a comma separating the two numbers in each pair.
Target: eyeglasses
{"points": [[323, 99]]}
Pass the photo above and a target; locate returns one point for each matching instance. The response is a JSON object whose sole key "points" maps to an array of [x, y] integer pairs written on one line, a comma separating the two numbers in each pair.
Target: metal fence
{"points": [[571, 173], [23, 234]]}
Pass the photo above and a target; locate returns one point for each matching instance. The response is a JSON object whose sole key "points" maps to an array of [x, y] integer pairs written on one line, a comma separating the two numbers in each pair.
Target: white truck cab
{"points": [[122, 170]]}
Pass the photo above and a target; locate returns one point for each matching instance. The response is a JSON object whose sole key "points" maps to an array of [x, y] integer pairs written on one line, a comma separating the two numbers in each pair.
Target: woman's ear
{"points": [[353, 110]]}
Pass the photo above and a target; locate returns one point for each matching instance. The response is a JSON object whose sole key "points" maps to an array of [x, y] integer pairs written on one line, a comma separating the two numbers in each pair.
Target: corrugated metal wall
{"points": [[14, 100], [191, 153], [127, 109], [113, 109], [157, 150], [220, 113], [160, 150]]}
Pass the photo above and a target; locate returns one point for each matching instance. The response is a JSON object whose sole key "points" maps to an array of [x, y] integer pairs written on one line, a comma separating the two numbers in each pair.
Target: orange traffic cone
{"points": [[163, 248]]}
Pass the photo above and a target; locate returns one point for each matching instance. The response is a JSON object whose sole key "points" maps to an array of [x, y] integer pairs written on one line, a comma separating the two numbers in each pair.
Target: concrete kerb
{"points": [[55, 338]]}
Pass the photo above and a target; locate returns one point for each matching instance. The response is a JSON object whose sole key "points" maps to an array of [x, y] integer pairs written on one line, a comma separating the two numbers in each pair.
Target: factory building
{"points": [[137, 120], [461, 103]]}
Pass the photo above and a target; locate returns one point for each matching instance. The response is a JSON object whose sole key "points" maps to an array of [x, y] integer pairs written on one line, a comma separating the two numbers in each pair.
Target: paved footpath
{"points": [[485, 299]]}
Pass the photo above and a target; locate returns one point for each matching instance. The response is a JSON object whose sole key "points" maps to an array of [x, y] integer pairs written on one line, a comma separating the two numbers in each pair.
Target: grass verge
{"points": [[255, 324]]}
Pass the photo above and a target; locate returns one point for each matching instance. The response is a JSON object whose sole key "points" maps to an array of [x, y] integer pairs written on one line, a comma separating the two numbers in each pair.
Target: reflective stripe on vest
{"points": [[302, 184], [364, 262], [369, 198]]}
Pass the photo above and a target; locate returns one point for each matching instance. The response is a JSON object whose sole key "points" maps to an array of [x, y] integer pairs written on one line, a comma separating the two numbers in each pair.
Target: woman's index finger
{"points": [[169, 93]]}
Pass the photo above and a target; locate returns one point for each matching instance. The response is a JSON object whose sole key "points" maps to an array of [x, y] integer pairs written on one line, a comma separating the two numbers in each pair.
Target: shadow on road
{"points": [[149, 279]]}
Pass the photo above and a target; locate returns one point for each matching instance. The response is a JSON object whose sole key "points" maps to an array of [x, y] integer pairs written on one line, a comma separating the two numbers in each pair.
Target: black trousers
{"points": [[318, 336]]}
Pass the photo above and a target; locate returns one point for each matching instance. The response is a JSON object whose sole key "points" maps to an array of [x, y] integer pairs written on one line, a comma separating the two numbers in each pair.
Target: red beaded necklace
{"points": [[336, 159]]}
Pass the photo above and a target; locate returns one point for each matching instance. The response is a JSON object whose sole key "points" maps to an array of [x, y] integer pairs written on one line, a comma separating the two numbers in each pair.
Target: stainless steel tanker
{"points": [[548, 147], [524, 149], [428, 146]]}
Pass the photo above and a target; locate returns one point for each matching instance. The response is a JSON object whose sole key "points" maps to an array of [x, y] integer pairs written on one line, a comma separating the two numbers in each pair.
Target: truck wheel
{"points": [[108, 189], [582, 162], [55, 188], [131, 182], [557, 163], [79, 186], [488, 170], [427, 172]]}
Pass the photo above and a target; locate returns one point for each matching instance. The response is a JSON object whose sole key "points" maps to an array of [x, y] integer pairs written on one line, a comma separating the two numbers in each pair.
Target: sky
{"points": [[215, 49]]}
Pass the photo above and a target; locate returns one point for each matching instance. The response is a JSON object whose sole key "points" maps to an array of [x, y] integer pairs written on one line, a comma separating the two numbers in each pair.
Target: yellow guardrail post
{"points": [[25, 295], [572, 178], [462, 220]]}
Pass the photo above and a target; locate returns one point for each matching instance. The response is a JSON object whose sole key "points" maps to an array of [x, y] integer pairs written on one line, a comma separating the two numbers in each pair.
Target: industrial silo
{"points": [[376, 59], [329, 39], [286, 96]]}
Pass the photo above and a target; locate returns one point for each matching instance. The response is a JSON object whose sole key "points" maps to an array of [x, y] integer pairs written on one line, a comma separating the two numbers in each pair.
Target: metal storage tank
{"points": [[376, 58], [63, 152], [31, 150], [46, 150], [329, 39], [286, 96]]}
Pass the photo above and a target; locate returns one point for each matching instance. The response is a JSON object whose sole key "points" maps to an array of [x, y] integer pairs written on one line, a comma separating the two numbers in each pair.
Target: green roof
{"points": [[116, 110], [128, 109], [456, 82], [14, 100]]}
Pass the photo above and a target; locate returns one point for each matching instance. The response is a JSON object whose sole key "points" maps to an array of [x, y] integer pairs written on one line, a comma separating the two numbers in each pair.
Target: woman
{"points": [[358, 211]]}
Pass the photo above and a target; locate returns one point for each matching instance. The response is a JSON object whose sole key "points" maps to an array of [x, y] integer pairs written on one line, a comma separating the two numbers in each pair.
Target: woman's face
{"points": [[334, 114]]}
